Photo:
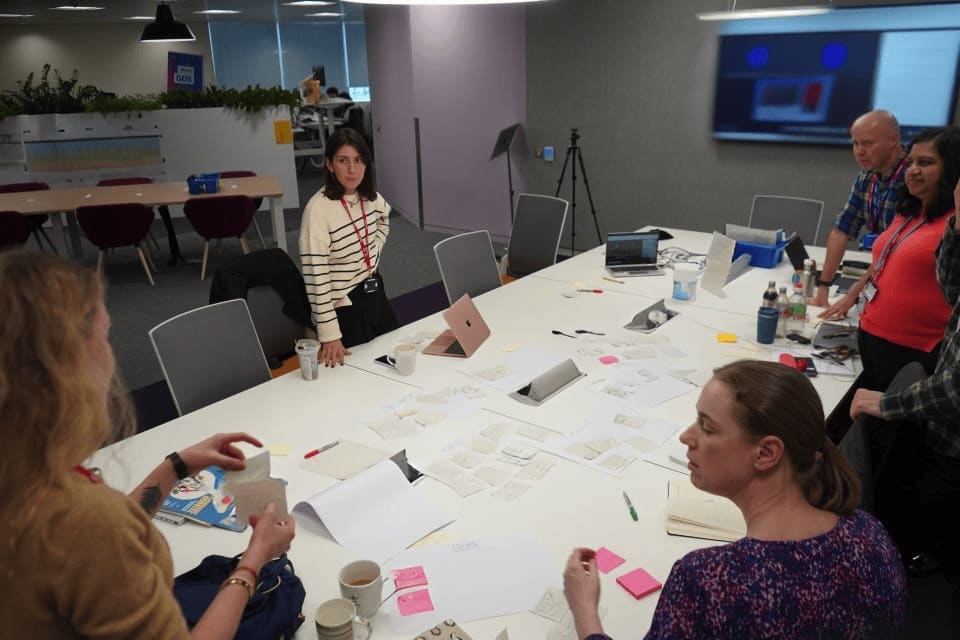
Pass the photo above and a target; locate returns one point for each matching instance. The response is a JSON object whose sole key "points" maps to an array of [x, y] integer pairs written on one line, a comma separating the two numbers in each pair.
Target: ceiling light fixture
{"points": [[139, 18], [446, 2], [218, 12], [76, 7], [732, 13], [165, 28], [327, 14], [308, 3], [16, 15]]}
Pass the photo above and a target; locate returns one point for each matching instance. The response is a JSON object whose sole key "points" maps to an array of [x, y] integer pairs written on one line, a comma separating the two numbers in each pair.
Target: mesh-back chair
{"points": [[256, 201], [467, 264], [535, 237], [209, 354], [219, 217], [109, 226], [120, 182], [36, 222], [14, 229], [801, 215], [276, 296]]}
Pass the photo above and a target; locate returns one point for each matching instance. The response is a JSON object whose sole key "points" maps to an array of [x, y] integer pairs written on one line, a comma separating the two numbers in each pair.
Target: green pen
{"points": [[633, 512]]}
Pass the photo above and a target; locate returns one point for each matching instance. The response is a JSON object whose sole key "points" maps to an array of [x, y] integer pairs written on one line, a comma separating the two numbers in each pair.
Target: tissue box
{"points": [[203, 183], [761, 255]]}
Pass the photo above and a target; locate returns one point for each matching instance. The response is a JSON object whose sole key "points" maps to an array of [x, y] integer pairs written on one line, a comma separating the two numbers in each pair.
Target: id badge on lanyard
{"points": [[870, 291], [371, 284]]}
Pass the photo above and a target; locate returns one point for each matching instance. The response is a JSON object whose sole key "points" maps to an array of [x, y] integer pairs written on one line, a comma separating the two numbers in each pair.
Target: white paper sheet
{"points": [[514, 369], [376, 513], [640, 386], [345, 459], [476, 580]]}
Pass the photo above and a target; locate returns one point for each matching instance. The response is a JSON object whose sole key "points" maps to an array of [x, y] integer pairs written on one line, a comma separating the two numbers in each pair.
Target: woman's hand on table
{"points": [[839, 309], [333, 353], [218, 450]]}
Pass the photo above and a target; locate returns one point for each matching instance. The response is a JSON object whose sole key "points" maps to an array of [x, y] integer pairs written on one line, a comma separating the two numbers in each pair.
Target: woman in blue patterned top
{"points": [[811, 565]]}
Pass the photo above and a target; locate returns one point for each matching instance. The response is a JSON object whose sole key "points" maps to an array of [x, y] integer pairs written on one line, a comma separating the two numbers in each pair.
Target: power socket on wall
{"points": [[545, 154]]}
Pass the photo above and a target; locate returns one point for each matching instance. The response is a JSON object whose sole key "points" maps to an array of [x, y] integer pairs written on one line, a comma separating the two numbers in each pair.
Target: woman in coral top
{"points": [[905, 313]]}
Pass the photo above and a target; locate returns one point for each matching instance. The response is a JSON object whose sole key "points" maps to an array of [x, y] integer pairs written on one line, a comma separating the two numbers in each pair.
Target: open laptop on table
{"points": [[633, 254], [466, 333]]}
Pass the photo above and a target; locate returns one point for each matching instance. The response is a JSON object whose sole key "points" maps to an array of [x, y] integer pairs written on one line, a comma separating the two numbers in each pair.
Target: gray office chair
{"points": [[467, 264], [209, 354], [277, 331], [785, 212], [535, 237]]}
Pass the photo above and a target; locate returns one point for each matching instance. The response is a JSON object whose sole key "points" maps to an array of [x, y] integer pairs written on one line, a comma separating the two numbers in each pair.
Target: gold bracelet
{"points": [[236, 580]]}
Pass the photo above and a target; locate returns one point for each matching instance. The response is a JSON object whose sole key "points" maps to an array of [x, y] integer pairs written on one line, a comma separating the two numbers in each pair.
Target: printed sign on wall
{"points": [[184, 71]]}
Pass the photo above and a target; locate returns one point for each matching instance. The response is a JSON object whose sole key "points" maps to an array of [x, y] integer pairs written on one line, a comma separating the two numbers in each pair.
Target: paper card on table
{"points": [[643, 353], [582, 451], [416, 602], [503, 635], [467, 485], [494, 373], [534, 471], [601, 444], [726, 337], [519, 451], [638, 583], [409, 577], [436, 397], [392, 426], [509, 347], [492, 475], [510, 491], [534, 433], [642, 444], [673, 352], [354, 512], [482, 445], [429, 418], [607, 560], [277, 449], [257, 468], [609, 359], [552, 605], [616, 463], [467, 459], [443, 470], [252, 498], [637, 422], [495, 431], [346, 459]]}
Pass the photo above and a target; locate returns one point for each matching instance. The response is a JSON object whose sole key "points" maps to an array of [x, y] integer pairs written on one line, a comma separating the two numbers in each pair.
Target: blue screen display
{"points": [[809, 87]]}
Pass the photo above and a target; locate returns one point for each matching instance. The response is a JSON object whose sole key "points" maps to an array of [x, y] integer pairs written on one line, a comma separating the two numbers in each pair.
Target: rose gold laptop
{"points": [[466, 333]]}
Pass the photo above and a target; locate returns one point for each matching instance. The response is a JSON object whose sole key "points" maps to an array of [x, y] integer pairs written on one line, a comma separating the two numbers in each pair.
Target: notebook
{"points": [[466, 333], [633, 253]]}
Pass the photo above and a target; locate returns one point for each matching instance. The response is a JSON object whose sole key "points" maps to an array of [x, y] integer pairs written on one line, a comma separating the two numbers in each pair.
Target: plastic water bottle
{"points": [[770, 295], [798, 310], [783, 306]]}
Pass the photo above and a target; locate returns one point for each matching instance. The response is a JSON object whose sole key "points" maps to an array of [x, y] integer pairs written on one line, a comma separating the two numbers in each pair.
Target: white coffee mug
{"points": [[403, 358], [334, 620], [361, 583]]}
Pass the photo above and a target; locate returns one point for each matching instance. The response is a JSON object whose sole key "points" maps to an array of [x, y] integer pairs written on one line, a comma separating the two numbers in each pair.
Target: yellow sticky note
{"points": [[279, 449], [508, 347], [283, 132], [726, 337]]}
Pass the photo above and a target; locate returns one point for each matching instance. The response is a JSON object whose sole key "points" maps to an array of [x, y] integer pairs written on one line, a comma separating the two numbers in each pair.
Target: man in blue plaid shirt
{"points": [[873, 197], [927, 415]]}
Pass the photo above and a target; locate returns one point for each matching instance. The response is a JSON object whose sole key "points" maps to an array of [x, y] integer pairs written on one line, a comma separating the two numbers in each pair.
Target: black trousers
{"points": [[369, 315]]}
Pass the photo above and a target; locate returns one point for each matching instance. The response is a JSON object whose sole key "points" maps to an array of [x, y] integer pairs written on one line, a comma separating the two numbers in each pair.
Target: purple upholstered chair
{"points": [[35, 221], [14, 229], [243, 173], [122, 182], [118, 225], [217, 217]]}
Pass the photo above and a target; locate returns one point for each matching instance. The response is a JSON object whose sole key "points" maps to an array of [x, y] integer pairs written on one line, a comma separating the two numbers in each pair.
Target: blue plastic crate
{"points": [[761, 255], [203, 183]]}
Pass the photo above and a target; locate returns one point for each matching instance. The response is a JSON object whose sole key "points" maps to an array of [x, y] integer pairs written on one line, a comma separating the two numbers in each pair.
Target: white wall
{"points": [[108, 56]]}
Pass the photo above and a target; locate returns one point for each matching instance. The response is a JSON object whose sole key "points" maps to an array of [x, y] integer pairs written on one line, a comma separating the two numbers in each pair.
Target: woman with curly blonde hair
{"points": [[77, 558]]}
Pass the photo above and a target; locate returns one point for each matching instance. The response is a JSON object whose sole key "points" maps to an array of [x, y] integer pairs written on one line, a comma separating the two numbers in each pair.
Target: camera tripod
{"points": [[573, 151]]}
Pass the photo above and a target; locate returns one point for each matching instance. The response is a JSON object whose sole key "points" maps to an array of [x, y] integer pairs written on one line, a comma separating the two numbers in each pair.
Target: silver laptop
{"points": [[633, 254]]}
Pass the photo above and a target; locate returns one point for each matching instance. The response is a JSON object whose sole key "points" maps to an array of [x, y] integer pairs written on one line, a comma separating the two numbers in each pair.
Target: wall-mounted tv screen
{"points": [[809, 87]]}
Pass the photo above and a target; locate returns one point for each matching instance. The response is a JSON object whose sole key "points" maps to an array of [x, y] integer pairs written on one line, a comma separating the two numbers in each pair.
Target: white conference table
{"points": [[571, 506]]}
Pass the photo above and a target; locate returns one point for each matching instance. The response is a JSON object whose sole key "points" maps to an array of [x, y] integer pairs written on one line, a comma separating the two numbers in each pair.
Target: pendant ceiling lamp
{"points": [[165, 28], [732, 13]]}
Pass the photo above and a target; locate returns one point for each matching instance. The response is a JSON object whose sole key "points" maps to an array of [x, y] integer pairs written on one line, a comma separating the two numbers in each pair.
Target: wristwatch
{"points": [[179, 466], [823, 283]]}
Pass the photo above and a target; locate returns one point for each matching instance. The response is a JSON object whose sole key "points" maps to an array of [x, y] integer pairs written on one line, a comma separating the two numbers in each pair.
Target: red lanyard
{"points": [[874, 222], [898, 238], [364, 241]]}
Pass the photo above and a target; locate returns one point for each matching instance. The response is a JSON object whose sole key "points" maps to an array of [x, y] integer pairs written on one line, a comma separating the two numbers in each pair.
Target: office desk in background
{"points": [[571, 506], [55, 201]]}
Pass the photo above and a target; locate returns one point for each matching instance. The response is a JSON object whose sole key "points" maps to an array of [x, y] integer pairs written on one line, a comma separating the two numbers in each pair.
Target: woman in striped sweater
{"points": [[342, 234]]}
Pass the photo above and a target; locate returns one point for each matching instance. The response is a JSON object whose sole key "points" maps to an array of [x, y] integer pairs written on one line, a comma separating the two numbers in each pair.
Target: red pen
{"points": [[591, 290], [310, 454]]}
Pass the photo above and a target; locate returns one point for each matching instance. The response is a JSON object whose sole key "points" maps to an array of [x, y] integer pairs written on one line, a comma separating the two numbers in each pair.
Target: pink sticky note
{"points": [[416, 602], [607, 560], [409, 577], [609, 359], [638, 583]]}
